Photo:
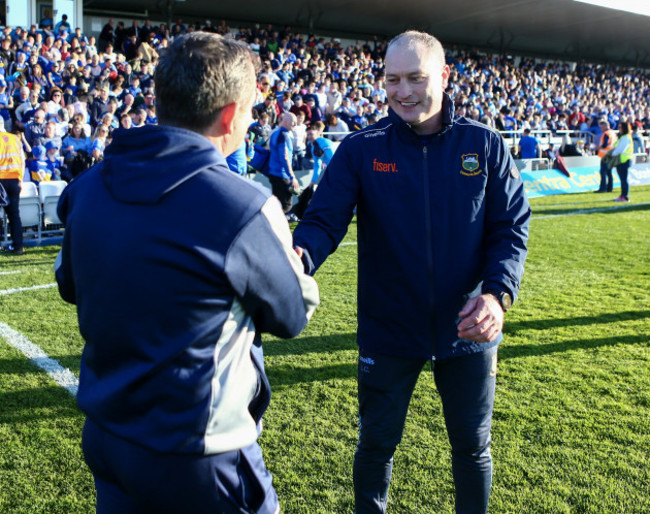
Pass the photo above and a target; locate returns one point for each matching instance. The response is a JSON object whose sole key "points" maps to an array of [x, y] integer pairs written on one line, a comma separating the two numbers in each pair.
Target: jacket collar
{"points": [[447, 119]]}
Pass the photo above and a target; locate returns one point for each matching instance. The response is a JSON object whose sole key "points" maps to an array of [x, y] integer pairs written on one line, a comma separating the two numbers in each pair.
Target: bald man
{"points": [[442, 226]]}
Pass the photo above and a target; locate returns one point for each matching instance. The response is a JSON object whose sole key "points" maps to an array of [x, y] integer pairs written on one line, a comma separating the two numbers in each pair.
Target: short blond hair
{"points": [[411, 38]]}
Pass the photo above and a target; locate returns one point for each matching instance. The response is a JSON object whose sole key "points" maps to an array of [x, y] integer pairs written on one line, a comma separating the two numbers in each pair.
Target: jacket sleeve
{"points": [[327, 218], [62, 265], [267, 275], [506, 225]]}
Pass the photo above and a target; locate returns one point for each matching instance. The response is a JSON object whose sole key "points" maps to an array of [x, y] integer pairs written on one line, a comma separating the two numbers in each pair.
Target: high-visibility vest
{"points": [[11, 157], [612, 142], [628, 151]]}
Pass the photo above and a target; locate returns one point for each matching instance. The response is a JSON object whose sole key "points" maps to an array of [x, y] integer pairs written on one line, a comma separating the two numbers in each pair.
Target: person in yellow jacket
{"points": [[12, 168], [607, 142], [624, 150]]}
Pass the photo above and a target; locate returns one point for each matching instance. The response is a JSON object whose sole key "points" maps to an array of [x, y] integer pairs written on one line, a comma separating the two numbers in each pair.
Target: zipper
{"points": [[429, 243]]}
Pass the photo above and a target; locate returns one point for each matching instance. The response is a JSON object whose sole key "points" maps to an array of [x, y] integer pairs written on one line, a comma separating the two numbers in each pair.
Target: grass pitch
{"points": [[573, 393]]}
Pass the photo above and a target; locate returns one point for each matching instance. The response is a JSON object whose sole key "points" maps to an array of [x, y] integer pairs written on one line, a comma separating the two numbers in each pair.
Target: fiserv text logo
{"points": [[384, 167]]}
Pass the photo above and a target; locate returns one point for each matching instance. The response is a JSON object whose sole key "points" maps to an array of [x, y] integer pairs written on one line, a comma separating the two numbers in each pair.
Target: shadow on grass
{"points": [[605, 209], [310, 344], [281, 375], [512, 327], [18, 261], [25, 367], [37, 403], [537, 350]]}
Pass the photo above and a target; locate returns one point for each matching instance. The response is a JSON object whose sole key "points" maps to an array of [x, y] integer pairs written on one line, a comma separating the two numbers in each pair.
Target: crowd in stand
{"points": [[65, 92]]}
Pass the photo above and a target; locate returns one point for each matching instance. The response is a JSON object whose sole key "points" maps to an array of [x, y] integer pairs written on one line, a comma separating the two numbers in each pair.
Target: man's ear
{"points": [[226, 119]]}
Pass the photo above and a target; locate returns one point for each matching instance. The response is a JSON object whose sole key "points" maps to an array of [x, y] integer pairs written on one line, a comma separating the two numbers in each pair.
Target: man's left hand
{"points": [[482, 319]]}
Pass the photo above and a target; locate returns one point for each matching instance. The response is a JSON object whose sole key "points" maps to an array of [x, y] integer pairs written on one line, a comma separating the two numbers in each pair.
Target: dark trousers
{"points": [[281, 190], [131, 479], [606, 179], [622, 170], [466, 387], [12, 187]]}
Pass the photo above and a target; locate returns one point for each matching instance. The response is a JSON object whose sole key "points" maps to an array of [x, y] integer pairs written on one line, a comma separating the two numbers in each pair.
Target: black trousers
{"points": [[281, 190], [12, 187]]}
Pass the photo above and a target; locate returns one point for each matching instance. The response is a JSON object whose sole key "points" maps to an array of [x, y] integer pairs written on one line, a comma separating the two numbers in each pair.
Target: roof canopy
{"points": [[563, 29]]}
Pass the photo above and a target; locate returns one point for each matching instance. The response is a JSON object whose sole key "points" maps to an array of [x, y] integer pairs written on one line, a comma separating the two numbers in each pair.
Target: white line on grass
{"points": [[10, 272], [589, 211], [20, 289], [62, 376]]}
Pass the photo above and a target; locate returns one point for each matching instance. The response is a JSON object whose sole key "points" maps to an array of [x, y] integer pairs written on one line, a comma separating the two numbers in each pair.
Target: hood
{"points": [[143, 164]]}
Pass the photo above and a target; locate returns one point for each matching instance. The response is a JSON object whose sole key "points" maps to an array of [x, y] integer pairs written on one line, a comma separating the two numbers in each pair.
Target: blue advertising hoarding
{"points": [[582, 179]]}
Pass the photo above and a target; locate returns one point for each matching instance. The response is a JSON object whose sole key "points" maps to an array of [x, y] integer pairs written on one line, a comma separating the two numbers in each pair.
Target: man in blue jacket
{"points": [[442, 231], [176, 266], [283, 179]]}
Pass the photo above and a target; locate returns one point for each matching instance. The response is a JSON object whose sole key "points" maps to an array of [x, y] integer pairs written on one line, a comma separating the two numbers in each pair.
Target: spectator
{"points": [[321, 150], [6, 105], [39, 171], [576, 118], [639, 147], [99, 105], [316, 113], [54, 160], [299, 134], [35, 129], [106, 36], [237, 161], [281, 175], [50, 135], [300, 106], [12, 168], [269, 107], [529, 146], [623, 150], [75, 141], [99, 143], [337, 128], [146, 53], [260, 131], [139, 117], [606, 144], [55, 103]]}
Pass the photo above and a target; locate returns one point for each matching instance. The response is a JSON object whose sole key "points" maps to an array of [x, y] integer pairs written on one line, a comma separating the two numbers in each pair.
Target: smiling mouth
{"points": [[408, 104]]}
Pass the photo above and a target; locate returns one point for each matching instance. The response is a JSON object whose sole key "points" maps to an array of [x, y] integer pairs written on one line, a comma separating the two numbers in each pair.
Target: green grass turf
{"points": [[573, 393]]}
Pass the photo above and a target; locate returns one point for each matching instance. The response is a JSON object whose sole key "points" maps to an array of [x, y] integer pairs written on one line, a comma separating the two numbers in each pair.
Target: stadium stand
{"points": [[80, 84]]}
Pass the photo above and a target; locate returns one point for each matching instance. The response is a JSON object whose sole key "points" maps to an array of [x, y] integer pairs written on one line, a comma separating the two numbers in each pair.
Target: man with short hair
{"points": [[35, 129], [283, 179], [528, 146], [269, 107], [195, 263], [98, 107], [260, 131], [321, 149], [442, 220], [299, 105], [25, 109], [50, 135]]}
